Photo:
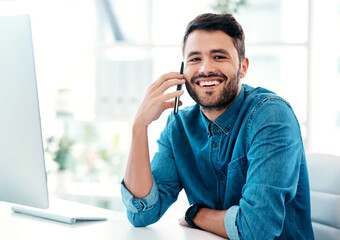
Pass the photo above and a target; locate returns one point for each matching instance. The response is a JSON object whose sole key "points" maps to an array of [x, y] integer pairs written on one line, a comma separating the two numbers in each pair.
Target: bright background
{"points": [[96, 58]]}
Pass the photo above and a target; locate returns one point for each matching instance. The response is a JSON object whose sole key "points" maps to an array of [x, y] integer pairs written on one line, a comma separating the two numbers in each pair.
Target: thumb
{"points": [[182, 222]]}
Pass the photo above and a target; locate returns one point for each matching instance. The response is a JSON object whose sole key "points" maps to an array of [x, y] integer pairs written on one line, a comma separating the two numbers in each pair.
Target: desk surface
{"points": [[15, 226]]}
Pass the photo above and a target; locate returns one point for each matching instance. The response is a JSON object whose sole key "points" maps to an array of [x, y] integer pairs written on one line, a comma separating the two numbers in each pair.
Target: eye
{"points": [[219, 57], [195, 59]]}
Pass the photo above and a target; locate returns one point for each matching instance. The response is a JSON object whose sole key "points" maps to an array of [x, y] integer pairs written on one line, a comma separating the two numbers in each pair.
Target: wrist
{"points": [[141, 119], [191, 213], [138, 126]]}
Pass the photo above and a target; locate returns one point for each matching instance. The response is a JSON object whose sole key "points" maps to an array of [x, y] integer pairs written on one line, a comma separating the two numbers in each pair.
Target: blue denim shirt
{"points": [[250, 161]]}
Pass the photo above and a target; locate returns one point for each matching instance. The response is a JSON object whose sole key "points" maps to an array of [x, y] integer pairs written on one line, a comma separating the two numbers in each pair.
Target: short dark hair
{"points": [[223, 22]]}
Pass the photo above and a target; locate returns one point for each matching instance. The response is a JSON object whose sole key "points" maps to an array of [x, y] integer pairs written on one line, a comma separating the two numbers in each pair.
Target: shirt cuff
{"points": [[230, 223], [136, 205]]}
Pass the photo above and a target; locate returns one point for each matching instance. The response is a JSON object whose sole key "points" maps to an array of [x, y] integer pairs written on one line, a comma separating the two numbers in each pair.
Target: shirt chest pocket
{"points": [[238, 164], [236, 178]]}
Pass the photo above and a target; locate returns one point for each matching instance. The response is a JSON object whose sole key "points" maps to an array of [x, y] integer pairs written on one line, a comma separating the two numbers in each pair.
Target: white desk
{"points": [[15, 226]]}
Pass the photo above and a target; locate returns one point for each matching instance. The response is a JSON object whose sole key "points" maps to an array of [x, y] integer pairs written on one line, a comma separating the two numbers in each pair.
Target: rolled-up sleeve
{"points": [[144, 211], [230, 223], [135, 205]]}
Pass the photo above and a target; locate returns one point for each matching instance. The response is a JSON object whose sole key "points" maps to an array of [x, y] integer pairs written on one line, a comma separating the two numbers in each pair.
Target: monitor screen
{"points": [[22, 167]]}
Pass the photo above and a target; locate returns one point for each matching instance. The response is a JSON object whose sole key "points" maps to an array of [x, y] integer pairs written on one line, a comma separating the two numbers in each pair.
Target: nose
{"points": [[207, 67]]}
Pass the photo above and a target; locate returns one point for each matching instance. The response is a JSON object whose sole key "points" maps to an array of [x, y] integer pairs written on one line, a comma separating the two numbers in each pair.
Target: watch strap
{"points": [[191, 213]]}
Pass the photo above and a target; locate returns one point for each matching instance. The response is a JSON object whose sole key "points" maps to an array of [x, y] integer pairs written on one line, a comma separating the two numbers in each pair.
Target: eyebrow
{"points": [[193, 53], [219, 50]]}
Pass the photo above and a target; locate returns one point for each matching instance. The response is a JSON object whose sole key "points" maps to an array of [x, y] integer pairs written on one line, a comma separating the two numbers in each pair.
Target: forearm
{"points": [[138, 176], [212, 221]]}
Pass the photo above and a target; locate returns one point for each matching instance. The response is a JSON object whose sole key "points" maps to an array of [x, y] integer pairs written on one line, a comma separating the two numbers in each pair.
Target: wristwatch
{"points": [[191, 213]]}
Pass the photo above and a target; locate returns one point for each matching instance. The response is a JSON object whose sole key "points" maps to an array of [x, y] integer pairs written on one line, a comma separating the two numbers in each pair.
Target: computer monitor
{"points": [[23, 177]]}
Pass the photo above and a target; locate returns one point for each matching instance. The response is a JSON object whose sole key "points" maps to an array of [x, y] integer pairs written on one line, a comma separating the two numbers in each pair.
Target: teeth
{"points": [[208, 83]]}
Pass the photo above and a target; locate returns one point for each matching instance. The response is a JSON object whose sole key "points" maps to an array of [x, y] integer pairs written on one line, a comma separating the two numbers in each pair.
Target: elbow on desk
{"points": [[135, 222], [141, 219]]}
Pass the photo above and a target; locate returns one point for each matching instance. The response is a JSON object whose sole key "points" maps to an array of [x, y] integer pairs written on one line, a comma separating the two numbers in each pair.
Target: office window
{"points": [[324, 77]]}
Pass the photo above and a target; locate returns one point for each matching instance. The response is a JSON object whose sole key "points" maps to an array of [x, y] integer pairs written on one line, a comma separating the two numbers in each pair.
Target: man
{"points": [[237, 153]]}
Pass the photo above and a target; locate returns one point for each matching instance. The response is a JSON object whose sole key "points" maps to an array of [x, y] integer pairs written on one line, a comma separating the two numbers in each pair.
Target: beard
{"points": [[215, 101]]}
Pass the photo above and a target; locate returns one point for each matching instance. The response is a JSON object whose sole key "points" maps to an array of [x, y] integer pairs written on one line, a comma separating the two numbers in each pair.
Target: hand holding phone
{"points": [[179, 87]]}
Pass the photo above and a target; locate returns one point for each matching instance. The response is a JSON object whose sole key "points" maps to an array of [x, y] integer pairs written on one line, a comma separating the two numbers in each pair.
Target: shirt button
{"points": [[214, 144], [221, 177], [215, 127]]}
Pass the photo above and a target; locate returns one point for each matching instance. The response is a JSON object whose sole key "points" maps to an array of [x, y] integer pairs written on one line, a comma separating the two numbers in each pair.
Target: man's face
{"points": [[212, 69]]}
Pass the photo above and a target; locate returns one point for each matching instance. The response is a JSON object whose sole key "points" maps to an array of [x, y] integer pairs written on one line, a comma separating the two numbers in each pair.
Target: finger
{"points": [[167, 105], [171, 104], [171, 83], [168, 76], [170, 95]]}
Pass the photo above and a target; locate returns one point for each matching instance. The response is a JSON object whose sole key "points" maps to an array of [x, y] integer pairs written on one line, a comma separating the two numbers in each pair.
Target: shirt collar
{"points": [[226, 121]]}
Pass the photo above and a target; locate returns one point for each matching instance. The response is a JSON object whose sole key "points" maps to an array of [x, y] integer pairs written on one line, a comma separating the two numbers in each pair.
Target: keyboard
{"points": [[60, 214]]}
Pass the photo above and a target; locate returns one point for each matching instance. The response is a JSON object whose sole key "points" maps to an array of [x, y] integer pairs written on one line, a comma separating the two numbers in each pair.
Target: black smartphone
{"points": [[179, 87]]}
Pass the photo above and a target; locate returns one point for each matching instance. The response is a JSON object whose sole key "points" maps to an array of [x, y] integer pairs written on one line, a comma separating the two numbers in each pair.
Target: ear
{"points": [[244, 67]]}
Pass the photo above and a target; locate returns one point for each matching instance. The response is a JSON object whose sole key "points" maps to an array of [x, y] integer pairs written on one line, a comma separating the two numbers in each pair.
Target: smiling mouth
{"points": [[209, 83]]}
